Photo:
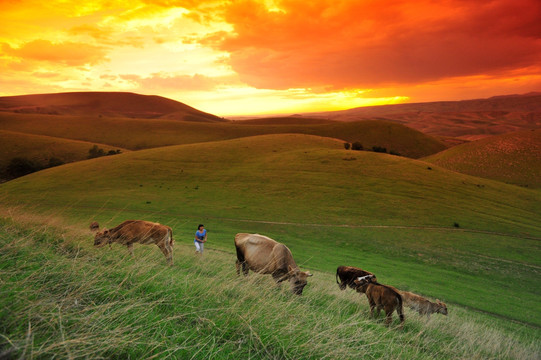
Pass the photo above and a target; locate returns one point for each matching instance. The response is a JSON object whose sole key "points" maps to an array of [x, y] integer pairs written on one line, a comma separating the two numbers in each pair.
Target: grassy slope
{"points": [[513, 158], [41, 148], [61, 298], [144, 133], [330, 206]]}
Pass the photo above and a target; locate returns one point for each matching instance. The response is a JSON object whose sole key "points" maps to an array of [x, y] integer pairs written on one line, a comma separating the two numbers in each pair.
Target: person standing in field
{"points": [[200, 239]]}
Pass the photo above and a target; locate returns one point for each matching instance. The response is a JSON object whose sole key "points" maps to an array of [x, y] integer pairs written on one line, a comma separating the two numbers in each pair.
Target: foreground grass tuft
{"points": [[61, 298]]}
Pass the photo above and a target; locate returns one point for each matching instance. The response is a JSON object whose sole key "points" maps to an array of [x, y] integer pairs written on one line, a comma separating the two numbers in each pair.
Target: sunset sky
{"points": [[256, 57]]}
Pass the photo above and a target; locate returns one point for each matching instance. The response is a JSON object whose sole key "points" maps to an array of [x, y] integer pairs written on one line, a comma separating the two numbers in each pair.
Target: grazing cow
{"points": [[264, 255], [423, 306], [381, 297], [347, 276], [138, 231]]}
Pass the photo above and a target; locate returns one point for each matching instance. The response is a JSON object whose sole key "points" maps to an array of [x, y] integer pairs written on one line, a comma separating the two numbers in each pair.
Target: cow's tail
{"points": [[400, 308], [240, 254], [340, 284], [171, 241], [240, 264]]}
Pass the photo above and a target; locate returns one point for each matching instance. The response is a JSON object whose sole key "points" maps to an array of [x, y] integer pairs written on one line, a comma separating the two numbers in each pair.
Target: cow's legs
{"points": [[169, 248], [241, 265], [378, 310], [241, 262], [400, 312], [167, 251], [372, 306], [388, 316]]}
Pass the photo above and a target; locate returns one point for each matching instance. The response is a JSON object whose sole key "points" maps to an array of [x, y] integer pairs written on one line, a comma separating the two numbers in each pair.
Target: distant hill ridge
{"points": [[513, 158], [111, 104], [466, 119]]}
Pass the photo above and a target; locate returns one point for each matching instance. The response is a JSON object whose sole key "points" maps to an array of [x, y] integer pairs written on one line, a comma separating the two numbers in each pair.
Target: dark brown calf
{"points": [[347, 276], [381, 297]]}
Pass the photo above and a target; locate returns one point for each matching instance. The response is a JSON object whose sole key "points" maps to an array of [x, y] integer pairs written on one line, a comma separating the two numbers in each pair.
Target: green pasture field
{"points": [[513, 158], [470, 242], [136, 134], [64, 299]]}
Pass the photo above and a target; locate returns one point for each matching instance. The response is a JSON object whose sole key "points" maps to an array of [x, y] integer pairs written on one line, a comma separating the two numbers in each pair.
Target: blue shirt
{"points": [[200, 236]]}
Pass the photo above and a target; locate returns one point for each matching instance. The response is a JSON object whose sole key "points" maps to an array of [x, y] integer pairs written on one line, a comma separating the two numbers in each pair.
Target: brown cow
{"points": [[138, 231], [264, 255], [423, 306], [381, 297], [347, 276]]}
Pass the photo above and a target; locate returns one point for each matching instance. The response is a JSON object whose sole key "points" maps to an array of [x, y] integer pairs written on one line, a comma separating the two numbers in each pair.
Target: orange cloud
{"points": [[92, 31], [365, 44], [163, 82], [67, 53]]}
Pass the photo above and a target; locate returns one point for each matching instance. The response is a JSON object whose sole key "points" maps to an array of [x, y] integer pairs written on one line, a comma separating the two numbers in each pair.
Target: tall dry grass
{"points": [[61, 298]]}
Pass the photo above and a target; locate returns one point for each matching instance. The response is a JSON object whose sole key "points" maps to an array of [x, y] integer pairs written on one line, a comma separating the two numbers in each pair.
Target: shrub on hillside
{"points": [[96, 151], [379, 149], [20, 166], [356, 146], [347, 146]]}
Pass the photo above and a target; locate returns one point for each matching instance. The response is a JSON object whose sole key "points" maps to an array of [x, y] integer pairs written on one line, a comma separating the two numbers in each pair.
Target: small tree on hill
{"points": [[347, 146], [95, 152], [357, 146]]}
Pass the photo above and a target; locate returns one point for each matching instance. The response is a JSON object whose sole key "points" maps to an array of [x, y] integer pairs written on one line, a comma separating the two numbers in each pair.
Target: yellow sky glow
{"points": [[270, 56]]}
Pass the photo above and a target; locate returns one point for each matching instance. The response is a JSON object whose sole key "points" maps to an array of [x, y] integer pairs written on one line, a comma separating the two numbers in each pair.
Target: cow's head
{"points": [[362, 282], [442, 308], [94, 226], [102, 238], [298, 279]]}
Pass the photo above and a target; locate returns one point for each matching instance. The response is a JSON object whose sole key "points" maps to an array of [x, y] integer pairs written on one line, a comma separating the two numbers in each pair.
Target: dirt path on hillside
{"points": [[414, 227]]}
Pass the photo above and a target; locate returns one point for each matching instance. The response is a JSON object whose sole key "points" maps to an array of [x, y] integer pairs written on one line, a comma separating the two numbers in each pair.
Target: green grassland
{"points": [[64, 299], [513, 158], [471, 242], [41, 148], [138, 134]]}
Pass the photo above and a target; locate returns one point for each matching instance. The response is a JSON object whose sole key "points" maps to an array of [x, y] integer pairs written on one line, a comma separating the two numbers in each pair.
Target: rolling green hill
{"points": [[138, 134], [40, 149], [471, 242], [513, 158], [419, 227]]}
